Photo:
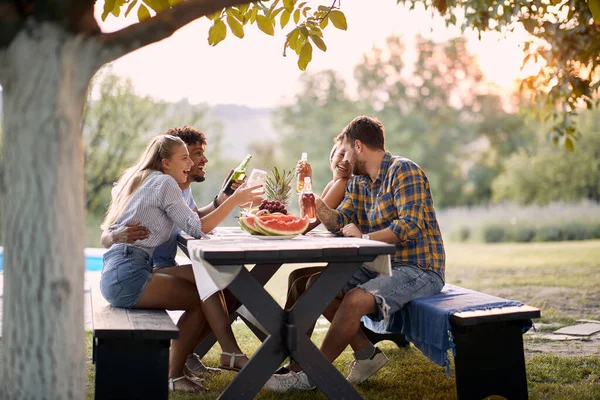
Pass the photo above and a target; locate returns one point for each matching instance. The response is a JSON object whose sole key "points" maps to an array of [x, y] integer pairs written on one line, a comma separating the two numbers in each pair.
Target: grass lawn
{"points": [[561, 278]]}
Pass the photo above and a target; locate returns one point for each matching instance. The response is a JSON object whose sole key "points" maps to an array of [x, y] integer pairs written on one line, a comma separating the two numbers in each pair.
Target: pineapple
{"points": [[278, 188]]}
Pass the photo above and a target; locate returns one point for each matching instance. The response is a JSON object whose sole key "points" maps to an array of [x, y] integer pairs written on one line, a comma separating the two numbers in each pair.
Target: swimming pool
{"points": [[93, 259]]}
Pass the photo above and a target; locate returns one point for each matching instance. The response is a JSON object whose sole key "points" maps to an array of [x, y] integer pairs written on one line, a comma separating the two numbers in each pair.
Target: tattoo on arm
{"points": [[327, 216]]}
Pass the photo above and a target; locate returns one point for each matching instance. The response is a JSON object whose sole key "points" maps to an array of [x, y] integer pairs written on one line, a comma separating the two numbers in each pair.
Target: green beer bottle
{"points": [[239, 174]]}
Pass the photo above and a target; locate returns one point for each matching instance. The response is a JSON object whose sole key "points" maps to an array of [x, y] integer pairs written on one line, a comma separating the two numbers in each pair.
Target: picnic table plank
{"points": [[152, 324]]}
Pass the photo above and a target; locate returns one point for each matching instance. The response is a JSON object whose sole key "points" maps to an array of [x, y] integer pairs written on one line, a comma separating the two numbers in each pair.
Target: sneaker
{"points": [[361, 370], [289, 382], [196, 368]]}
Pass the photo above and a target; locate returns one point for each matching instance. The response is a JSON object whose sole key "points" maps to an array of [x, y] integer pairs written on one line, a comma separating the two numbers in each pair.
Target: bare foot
{"points": [[188, 386], [238, 363]]}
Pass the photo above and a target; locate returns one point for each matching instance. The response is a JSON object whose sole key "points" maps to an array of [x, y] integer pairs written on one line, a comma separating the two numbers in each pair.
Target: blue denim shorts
{"points": [[408, 282], [125, 274]]}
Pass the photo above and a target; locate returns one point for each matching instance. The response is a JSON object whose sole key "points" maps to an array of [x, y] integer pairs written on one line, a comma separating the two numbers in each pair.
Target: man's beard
{"points": [[359, 168], [198, 178]]}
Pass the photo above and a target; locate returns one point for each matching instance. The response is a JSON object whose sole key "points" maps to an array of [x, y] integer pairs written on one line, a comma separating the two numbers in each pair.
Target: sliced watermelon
{"points": [[280, 225], [247, 224]]}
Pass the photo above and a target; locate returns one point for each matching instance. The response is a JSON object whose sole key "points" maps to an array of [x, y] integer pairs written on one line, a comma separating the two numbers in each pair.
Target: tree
{"points": [[49, 52], [566, 37], [538, 174]]}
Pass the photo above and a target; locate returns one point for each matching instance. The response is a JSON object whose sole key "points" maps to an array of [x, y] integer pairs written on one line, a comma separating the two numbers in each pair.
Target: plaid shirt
{"points": [[399, 199]]}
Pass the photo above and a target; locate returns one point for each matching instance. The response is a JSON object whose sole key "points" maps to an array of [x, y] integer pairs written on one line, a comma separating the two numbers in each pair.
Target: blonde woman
{"points": [[149, 193]]}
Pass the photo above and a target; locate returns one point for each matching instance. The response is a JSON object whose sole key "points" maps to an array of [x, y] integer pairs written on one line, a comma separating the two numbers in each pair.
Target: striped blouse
{"points": [[158, 204]]}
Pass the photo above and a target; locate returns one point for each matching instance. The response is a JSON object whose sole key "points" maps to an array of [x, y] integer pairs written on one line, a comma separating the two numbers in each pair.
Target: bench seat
{"points": [[131, 350], [484, 333]]}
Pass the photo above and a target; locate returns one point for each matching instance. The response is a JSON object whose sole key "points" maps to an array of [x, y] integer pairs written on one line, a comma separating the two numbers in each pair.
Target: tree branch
{"points": [[160, 27]]}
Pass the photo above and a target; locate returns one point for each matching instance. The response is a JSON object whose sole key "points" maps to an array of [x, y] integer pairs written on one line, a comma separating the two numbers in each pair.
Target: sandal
{"points": [[173, 380], [232, 357]]}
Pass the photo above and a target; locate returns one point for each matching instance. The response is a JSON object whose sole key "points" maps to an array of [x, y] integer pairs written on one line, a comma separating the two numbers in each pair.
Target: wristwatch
{"points": [[366, 236], [215, 202]]}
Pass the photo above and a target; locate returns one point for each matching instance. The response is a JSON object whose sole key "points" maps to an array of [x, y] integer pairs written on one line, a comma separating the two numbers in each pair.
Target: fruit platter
{"points": [[270, 219]]}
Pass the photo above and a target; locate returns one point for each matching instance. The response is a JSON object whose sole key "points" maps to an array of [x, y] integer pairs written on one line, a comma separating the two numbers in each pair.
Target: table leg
{"points": [[308, 308], [262, 273], [272, 352]]}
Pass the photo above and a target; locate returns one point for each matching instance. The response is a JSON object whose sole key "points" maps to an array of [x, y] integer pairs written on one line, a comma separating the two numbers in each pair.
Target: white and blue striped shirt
{"points": [[158, 204]]}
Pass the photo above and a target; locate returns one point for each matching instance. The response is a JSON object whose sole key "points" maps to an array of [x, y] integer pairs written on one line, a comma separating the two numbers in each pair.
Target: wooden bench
{"points": [[131, 350], [488, 351]]}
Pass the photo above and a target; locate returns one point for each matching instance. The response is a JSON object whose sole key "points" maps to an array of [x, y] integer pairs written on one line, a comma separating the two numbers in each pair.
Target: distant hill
{"points": [[242, 126]]}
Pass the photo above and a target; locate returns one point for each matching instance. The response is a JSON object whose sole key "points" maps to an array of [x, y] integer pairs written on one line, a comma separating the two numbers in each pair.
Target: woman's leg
{"points": [[174, 293], [218, 319], [215, 312]]}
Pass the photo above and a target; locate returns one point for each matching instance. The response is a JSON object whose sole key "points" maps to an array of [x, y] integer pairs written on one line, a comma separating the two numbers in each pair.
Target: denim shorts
{"points": [[125, 274], [408, 282]]}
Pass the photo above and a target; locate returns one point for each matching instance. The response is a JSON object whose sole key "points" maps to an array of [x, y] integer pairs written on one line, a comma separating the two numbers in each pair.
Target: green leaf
{"points": [[130, 7], [143, 13], [338, 19], [569, 144], [595, 9], [108, 7], [243, 8], [296, 16], [253, 14], [217, 32], [293, 39], [288, 5], [235, 13], [285, 18], [324, 22], [265, 25], [276, 13], [305, 56], [318, 42], [303, 31], [236, 28], [214, 15]]}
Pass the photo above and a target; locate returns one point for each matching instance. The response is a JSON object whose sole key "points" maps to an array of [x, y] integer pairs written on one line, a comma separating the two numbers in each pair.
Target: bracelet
{"points": [[215, 203]]}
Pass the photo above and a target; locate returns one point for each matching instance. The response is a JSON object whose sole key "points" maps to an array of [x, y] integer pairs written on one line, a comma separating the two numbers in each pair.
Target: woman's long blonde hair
{"points": [[159, 148]]}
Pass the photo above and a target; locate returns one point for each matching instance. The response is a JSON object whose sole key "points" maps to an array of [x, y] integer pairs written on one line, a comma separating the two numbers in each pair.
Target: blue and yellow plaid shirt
{"points": [[399, 199]]}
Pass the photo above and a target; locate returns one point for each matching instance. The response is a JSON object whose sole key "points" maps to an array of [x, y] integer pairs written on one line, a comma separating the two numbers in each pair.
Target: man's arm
{"points": [[126, 234], [218, 199], [327, 216]]}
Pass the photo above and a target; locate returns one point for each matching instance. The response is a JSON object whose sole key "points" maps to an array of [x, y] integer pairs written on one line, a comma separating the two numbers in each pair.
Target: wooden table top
{"points": [[233, 246]]}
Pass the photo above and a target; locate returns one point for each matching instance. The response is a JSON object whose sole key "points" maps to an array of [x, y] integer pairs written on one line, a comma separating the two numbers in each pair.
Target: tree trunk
{"points": [[47, 74]]}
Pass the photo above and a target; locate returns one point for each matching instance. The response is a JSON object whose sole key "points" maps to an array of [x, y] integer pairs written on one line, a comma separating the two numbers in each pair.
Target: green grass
{"points": [[562, 278]]}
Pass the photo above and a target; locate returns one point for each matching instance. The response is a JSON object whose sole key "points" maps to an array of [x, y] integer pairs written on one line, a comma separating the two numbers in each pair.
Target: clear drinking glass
{"points": [[256, 177]]}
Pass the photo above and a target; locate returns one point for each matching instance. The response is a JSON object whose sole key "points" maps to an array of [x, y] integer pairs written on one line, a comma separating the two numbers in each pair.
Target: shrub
{"points": [[494, 233], [550, 233], [575, 231], [523, 233]]}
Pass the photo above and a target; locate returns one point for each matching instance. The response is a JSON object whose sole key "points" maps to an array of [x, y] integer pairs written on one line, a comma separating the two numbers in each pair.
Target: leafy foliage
{"points": [[117, 127], [564, 34], [309, 22], [538, 174], [438, 112]]}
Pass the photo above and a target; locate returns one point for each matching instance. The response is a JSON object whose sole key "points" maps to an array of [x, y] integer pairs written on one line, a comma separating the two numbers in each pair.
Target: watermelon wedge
{"points": [[247, 224], [280, 225]]}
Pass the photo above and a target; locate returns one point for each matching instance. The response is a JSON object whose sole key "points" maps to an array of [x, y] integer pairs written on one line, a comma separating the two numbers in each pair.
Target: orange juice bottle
{"points": [[303, 173]]}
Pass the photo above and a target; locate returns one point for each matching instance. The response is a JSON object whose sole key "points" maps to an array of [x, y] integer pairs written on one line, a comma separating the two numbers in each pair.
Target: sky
{"points": [[252, 71]]}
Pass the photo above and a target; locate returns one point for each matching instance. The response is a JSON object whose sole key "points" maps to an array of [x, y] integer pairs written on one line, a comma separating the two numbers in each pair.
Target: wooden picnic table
{"points": [[287, 329]]}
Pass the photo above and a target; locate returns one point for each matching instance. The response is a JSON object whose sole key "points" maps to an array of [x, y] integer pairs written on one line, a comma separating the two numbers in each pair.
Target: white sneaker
{"points": [[288, 382], [361, 370], [196, 368]]}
